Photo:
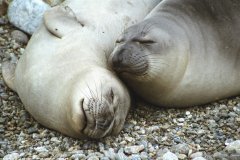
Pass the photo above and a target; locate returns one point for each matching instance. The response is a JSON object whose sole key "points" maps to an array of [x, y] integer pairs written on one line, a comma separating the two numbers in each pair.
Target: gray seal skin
{"points": [[184, 53], [63, 78]]}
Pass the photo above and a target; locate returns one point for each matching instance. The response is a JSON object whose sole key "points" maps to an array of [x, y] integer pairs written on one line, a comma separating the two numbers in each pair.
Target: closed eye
{"points": [[144, 41], [119, 40]]}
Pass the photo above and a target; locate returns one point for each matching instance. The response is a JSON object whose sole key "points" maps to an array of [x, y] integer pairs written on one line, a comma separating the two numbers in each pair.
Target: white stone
{"points": [[40, 149], [27, 15], [169, 156], [199, 158], [233, 146], [12, 156], [53, 2]]}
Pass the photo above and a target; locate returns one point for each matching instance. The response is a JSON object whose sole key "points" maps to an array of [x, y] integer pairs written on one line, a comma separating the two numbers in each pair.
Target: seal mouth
{"points": [[85, 116], [98, 121]]}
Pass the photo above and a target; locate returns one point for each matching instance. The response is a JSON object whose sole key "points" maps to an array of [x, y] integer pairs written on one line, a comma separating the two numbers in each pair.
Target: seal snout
{"points": [[99, 118], [129, 59]]}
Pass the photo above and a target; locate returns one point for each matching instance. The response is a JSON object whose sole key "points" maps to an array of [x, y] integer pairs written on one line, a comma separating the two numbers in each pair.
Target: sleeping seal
{"points": [[184, 53], [63, 78]]}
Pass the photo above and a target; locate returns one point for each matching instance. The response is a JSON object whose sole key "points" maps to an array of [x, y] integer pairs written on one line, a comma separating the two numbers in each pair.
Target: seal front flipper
{"points": [[8, 72], [61, 20]]}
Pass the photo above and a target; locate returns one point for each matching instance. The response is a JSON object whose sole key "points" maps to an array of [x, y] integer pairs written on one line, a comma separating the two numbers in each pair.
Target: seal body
{"points": [[63, 78], [184, 53]]}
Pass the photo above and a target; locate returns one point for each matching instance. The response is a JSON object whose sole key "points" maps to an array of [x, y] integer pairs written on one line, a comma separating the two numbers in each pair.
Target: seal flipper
{"points": [[61, 20], [8, 72]]}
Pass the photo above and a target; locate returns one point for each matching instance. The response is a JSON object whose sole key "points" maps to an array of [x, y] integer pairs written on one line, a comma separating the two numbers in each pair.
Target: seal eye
{"points": [[144, 41], [120, 40]]}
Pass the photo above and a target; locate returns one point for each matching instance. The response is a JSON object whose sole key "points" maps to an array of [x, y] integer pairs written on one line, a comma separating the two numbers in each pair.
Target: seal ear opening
{"points": [[8, 73], [61, 20]]}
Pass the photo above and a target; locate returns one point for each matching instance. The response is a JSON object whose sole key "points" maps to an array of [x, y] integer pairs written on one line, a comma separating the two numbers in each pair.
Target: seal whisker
{"points": [[91, 92]]}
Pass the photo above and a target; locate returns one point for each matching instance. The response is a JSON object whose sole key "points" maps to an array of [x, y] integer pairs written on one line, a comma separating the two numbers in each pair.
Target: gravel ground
{"points": [[202, 132]]}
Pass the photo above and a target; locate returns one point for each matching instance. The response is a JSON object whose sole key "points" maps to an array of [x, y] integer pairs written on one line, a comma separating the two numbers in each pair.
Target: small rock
{"points": [[3, 21], [233, 146], [32, 130], [197, 154], [180, 148], [188, 113], [133, 149], [55, 140], [92, 158], [19, 37], [212, 124], [40, 149], [182, 156], [144, 156], [43, 155], [134, 157], [104, 158], [2, 120], [181, 120], [27, 14], [3, 7], [219, 155], [199, 158], [53, 2], [234, 157], [4, 96], [78, 156], [120, 155], [169, 156], [161, 152], [12, 156], [152, 129], [110, 153], [35, 157]]}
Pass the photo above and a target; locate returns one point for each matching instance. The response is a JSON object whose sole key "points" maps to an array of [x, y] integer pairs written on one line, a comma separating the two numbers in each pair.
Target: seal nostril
{"points": [[117, 60]]}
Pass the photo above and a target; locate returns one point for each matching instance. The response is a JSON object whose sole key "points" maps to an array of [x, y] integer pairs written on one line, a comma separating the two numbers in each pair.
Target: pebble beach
{"points": [[209, 132]]}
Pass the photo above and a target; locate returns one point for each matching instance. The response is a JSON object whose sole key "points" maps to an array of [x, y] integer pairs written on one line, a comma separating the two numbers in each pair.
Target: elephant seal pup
{"points": [[63, 79], [184, 53]]}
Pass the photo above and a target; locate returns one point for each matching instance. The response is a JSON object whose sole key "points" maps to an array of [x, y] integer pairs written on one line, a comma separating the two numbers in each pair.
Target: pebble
{"points": [[219, 155], [233, 147], [19, 37], [120, 155], [134, 157], [12, 156], [3, 7], [53, 2], [110, 153], [43, 155], [27, 14], [152, 129], [199, 158], [78, 156], [195, 155], [169, 156], [32, 130], [133, 149], [181, 156], [181, 148], [40, 149], [234, 157]]}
